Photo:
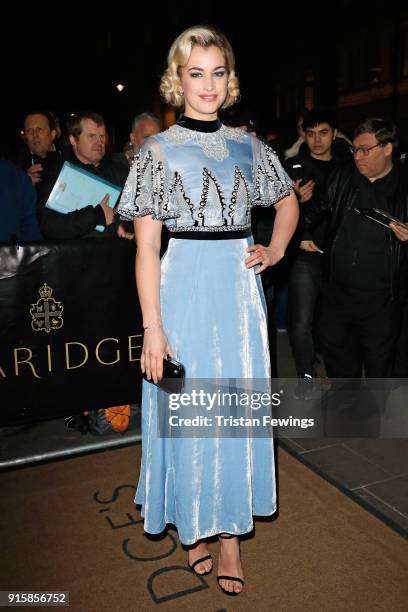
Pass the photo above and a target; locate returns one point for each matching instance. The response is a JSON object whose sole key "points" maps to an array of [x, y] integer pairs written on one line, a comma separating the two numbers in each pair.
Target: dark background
{"points": [[72, 59]]}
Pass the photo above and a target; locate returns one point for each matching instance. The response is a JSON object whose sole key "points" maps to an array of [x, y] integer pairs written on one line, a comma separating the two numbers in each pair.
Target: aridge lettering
{"points": [[34, 363]]}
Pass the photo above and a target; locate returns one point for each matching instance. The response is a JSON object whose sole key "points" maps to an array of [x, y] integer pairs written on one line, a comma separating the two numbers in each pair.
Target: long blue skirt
{"points": [[214, 315]]}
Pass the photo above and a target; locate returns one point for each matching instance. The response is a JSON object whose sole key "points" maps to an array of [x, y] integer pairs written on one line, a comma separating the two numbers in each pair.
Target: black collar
{"points": [[198, 125]]}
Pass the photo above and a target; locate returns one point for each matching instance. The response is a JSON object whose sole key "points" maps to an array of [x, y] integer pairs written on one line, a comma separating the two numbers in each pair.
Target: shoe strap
{"points": [[200, 561], [235, 578]]}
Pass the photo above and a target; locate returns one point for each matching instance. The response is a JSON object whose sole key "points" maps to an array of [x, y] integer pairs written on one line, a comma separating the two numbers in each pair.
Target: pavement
{"points": [[372, 471]]}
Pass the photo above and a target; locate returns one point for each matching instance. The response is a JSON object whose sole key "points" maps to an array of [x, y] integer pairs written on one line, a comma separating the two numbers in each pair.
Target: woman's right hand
{"points": [[155, 347]]}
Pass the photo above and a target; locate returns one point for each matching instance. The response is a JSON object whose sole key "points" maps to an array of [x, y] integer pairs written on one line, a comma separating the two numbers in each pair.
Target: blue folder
{"points": [[76, 188]]}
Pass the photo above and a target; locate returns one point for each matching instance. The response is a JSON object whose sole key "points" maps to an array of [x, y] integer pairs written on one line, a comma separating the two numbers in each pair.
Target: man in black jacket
{"points": [[309, 171], [365, 262], [88, 138]]}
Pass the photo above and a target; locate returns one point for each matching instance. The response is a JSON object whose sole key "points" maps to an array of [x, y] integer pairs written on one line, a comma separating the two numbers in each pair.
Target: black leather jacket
{"points": [[341, 196]]}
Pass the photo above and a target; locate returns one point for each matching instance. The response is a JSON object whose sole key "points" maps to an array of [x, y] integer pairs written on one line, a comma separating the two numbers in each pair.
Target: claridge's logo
{"points": [[46, 313]]}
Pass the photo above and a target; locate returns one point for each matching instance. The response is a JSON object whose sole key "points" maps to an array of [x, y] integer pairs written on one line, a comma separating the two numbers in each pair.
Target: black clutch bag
{"points": [[173, 376]]}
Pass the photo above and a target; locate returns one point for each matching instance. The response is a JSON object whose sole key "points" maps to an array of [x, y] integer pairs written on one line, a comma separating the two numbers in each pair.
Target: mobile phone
{"points": [[305, 180]]}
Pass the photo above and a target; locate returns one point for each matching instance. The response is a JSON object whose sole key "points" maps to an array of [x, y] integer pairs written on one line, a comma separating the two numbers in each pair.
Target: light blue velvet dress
{"points": [[214, 315]]}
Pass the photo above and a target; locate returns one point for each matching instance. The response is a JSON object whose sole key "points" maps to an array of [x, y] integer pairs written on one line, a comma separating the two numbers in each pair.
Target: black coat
{"points": [[17, 205], [340, 196]]}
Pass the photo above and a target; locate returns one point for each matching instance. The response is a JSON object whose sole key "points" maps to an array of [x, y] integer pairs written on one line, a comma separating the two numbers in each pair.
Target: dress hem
{"points": [[207, 534]]}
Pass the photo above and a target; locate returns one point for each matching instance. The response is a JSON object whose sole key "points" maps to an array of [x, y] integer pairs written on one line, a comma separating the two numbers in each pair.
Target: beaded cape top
{"points": [[203, 176]]}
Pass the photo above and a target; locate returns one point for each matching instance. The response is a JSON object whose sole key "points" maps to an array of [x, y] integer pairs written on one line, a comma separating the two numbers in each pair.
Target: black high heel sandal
{"points": [[200, 560], [228, 536]]}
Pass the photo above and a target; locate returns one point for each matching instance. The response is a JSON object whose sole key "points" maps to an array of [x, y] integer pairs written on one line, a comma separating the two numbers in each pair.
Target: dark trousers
{"points": [[304, 289], [358, 329]]}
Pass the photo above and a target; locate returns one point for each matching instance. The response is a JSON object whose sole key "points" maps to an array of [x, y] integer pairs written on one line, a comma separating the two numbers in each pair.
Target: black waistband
{"points": [[227, 235]]}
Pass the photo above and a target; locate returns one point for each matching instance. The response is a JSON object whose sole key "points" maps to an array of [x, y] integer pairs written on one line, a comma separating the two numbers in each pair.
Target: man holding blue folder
{"points": [[88, 139]]}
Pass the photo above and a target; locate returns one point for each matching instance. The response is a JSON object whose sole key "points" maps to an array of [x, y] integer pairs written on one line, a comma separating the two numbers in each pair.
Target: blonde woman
{"points": [[203, 303]]}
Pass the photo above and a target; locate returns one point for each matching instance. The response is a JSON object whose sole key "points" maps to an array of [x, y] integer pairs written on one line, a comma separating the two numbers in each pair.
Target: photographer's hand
{"points": [[400, 231], [309, 246], [108, 211], [123, 231], [34, 172], [305, 191]]}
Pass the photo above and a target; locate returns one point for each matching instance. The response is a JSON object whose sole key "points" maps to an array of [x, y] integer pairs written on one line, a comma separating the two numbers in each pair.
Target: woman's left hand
{"points": [[265, 256]]}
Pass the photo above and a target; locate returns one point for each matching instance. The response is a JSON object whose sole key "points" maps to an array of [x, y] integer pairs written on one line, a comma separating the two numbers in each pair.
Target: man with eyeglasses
{"points": [[365, 263]]}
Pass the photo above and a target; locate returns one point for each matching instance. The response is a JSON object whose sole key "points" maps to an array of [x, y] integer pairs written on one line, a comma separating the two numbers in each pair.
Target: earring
{"points": [[181, 92]]}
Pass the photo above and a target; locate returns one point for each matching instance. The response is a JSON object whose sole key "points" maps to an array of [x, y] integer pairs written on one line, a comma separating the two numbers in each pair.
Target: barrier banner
{"points": [[70, 328]]}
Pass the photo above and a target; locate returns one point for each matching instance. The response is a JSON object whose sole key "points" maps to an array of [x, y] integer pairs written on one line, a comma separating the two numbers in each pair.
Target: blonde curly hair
{"points": [[180, 51]]}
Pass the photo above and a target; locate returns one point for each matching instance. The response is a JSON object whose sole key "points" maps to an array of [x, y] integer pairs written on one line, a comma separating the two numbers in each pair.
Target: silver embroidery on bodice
{"points": [[196, 181], [213, 144]]}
